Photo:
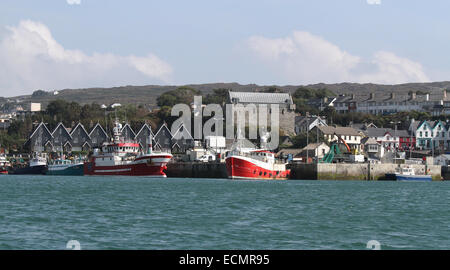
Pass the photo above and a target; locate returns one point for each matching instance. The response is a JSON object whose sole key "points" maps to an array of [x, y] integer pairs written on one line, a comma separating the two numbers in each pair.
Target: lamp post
{"points": [[106, 122], [410, 142], [395, 139], [307, 138], [217, 119]]}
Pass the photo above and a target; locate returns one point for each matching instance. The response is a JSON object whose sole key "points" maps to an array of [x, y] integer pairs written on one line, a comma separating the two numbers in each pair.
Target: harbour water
{"points": [[45, 212]]}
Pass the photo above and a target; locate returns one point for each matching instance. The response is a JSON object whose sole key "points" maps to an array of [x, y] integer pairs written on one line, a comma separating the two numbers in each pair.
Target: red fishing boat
{"points": [[256, 164], [122, 157]]}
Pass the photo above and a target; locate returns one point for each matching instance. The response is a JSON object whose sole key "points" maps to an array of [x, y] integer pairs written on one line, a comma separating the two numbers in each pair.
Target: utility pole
{"points": [[307, 138], [410, 142]]}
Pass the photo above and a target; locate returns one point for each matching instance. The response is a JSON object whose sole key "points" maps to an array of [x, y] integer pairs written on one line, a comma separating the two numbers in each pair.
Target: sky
{"points": [[59, 44]]}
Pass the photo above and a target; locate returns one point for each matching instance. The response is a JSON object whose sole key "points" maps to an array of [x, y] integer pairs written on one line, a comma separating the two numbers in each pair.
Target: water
{"points": [[45, 212]]}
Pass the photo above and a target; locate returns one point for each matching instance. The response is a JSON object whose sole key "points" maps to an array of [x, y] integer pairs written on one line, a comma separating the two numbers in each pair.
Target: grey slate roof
{"points": [[287, 151], [380, 132], [262, 98], [368, 140], [300, 120], [312, 146], [339, 130], [386, 97]]}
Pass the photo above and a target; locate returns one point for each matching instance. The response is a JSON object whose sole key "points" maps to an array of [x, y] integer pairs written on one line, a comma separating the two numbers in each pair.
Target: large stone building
{"points": [[283, 100]]}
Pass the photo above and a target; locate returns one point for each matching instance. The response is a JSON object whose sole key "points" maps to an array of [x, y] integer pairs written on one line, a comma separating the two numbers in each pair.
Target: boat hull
{"points": [[413, 177], [127, 170], [73, 170], [149, 166], [240, 168], [31, 170]]}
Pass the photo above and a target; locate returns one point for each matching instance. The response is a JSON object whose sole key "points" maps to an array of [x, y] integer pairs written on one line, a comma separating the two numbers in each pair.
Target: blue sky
{"points": [[50, 44]]}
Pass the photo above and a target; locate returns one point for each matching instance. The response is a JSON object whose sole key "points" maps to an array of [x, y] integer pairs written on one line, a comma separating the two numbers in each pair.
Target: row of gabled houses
{"points": [[437, 102], [80, 139]]}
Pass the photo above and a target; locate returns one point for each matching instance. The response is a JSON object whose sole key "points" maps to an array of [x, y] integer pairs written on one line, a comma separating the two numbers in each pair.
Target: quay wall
{"points": [[445, 172], [196, 170], [321, 171], [343, 171]]}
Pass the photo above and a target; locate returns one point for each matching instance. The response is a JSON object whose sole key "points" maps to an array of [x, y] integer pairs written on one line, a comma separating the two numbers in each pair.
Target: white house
{"points": [[350, 135], [431, 134], [303, 123]]}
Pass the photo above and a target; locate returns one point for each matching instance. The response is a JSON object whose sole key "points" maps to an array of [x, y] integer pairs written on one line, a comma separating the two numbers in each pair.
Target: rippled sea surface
{"points": [[45, 212]]}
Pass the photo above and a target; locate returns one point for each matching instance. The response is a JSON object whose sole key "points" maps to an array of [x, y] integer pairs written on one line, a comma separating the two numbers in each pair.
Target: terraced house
{"points": [[431, 134], [388, 103], [391, 139]]}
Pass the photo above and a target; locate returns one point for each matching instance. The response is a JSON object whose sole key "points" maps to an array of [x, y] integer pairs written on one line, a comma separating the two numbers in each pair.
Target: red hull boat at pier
{"points": [[125, 158]]}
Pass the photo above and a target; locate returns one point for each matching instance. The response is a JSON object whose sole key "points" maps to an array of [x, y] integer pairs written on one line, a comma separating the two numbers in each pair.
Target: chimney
{"points": [[445, 93], [372, 96], [428, 97], [392, 95], [413, 95], [353, 96]]}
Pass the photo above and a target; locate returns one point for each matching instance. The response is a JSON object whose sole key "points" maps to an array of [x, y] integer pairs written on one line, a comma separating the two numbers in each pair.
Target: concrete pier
{"points": [[445, 172], [343, 171], [321, 171], [197, 170]]}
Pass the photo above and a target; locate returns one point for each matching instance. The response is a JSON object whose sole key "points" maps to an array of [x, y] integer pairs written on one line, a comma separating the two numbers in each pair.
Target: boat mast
{"points": [[150, 144], [116, 131]]}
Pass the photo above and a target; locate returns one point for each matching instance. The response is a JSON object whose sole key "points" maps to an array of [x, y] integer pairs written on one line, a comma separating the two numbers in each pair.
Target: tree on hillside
{"points": [[39, 93], [307, 93], [272, 89], [180, 95], [219, 96]]}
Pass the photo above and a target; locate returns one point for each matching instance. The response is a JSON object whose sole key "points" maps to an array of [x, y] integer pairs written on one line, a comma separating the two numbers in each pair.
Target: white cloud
{"points": [[73, 2], [32, 59], [305, 58], [374, 2]]}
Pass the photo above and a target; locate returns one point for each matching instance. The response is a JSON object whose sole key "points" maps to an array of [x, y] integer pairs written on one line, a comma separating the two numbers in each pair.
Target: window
{"points": [[421, 134], [426, 133]]}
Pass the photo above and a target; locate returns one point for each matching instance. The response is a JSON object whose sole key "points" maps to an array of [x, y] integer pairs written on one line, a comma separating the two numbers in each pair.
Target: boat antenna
{"points": [[150, 144]]}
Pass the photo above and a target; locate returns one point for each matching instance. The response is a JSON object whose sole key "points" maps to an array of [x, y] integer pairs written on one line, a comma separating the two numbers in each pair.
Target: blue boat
{"points": [[38, 165], [408, 174], [65, 167]]}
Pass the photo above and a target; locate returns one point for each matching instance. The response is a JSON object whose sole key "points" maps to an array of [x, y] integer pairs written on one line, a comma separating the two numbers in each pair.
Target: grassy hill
{"points": [[147, 94]]}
